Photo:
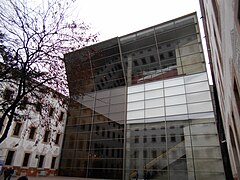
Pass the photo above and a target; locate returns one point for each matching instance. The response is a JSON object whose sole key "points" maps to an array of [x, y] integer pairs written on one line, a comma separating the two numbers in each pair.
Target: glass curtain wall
{"points": [[171, 130], [141, 108], [94, 137]]}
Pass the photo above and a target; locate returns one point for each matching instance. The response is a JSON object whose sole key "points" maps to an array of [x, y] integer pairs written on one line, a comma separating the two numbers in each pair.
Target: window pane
{"points": [[207, 152], [197, 87], [154, 94], [116, 108], [51, 110], [174, 91], [154, 112], [200, 107], [195, 78], [40, 161], [174, 110], [210, 175], [135, 121], [201, 115], [136, 88], [151, 103], [32, 132], [153, 119], [117, 100], [200, 140], [135, 114], [135, 97], [213, 165], [208, 128], [173, 82], [57, 139], [46, 136], [153, 85], [61, 116], [198, 97], [26, 159], [9, 158], [17, 129], [135, 105], [53, 162], [174, 100]]}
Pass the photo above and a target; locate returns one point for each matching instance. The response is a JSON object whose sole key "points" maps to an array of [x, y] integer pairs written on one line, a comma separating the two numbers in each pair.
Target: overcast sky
{"points": [[113, 18]]}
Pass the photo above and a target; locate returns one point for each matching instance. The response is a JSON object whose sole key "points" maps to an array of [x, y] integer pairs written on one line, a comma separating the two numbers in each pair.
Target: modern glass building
{"points": [[141, 107]]}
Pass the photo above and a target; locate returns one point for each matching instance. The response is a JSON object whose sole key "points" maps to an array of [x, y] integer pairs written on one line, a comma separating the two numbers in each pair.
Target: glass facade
{"points": [[141, 108]]}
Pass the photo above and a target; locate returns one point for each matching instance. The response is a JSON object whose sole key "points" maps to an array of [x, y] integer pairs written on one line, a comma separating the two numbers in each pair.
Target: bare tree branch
{"points": [[33, 39]]}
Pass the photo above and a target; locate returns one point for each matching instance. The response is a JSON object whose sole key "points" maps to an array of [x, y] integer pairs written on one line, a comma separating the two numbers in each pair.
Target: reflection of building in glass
{"points": [[104, 151], [148, 93]]}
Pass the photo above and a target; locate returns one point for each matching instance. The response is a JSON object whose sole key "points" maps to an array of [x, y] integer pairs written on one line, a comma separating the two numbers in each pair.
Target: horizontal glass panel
{"points": [[213, 165], [164, 27], [173, 82], [197, 87], [135, 121], [135, 114], [185, 21], [150, 103], [177, 117], [194, 68], [128, 38], [210, 176], [138, 44], [117, 99], [202, 120], [204, 140], [154, 112], [207, 152], [154, 93], [153, 120], [196, 78], [201, 115], [166, 36], [118, 117], [136, 88], [102, 94], [174, 100], [135, 105], [117, 108], [102, 102], [191, 49], [198, 97], [179, 129], [179, 172], [145, 33], [200, 107], [88, 97], [118, 91], [197, 129], [102, 110], [135, 97], [174, 91], [174, 110], [153, 85]]}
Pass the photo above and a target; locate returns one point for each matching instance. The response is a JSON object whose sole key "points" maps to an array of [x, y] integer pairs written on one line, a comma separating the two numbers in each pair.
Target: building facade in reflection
{"points": [[141, 107]]}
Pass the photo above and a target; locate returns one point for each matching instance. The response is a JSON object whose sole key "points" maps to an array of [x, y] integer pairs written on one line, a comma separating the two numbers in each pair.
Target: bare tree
{"points": [[33, 39]]}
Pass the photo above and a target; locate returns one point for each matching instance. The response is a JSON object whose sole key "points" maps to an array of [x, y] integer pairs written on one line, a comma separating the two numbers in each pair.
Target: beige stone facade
{"points": [[221, 19], [33, 144]]}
